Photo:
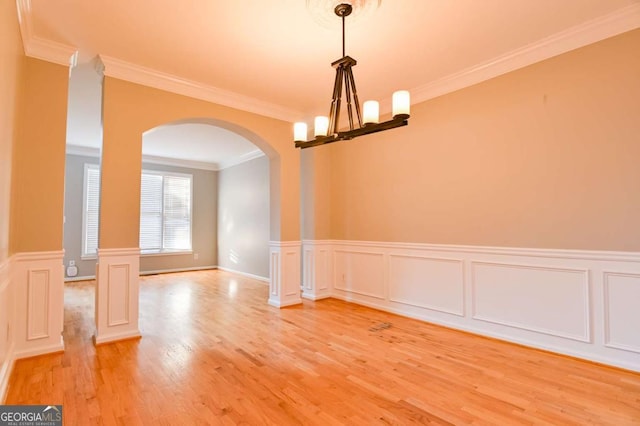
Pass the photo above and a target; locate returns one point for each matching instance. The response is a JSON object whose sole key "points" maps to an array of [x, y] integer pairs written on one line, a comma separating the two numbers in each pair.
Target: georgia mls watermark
{"points": [[30, 415]]}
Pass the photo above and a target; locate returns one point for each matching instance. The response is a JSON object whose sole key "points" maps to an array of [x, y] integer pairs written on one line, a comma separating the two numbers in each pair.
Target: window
{"points": [[165, 211]]}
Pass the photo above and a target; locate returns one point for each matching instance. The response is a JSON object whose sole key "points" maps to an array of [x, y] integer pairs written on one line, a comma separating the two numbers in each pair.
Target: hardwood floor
{"points": [[214, 352]]}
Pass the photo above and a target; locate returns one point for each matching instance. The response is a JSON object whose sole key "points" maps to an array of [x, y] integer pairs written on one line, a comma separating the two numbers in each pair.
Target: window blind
{"points": [[165, 211], [91, 210]]}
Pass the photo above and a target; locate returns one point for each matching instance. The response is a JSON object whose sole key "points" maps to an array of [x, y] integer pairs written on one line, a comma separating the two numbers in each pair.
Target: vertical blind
{"points": [[165, 212]]}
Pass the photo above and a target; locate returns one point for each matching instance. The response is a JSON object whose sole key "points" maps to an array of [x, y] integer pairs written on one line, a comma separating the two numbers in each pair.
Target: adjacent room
{"points": [[320, 211]]}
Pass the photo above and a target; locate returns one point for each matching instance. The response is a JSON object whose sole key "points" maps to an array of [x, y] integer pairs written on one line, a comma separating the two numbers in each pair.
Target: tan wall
{"points": [[131, 109], [38, 161], [12, 60], [546, 156]]}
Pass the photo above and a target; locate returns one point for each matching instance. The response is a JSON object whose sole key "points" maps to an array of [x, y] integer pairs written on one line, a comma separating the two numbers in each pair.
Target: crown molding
{"points": [[122, 70], [242, 159], [178, 162], [39, 48], [88, 151], [612, 24]]}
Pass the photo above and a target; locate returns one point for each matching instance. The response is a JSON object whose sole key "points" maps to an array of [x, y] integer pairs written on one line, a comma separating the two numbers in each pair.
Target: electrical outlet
{"points": [[8, 332], [195, 256], [72, 263], [344, 278]]}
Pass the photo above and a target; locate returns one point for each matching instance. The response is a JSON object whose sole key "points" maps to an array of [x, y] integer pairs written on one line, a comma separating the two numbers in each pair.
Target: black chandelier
{"points": [[326, 129]]}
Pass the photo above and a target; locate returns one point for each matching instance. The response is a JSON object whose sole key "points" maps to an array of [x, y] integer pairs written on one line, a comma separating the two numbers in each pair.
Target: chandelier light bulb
{"points": [[300, 131], [321, 126], [371, 112], [401, 104]]}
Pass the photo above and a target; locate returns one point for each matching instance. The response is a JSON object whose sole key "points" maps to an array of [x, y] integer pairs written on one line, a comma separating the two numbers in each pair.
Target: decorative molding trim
{"points": [[74, 279], [113, 252], [38, 295], [170, 271], [612, 24], [607, 311], [43, 350], [7, 363], [123, 70], [6, 368], [35, 256], [88, 151], [585, 337], [575, 327], [316, 271], [356, 291], [117, 294], [460, 312], [242, 159], [284, 270], [617, 22], [245, 274], [617, 256], [40, 48], [114, 337], [179, 162], [38, 289]]}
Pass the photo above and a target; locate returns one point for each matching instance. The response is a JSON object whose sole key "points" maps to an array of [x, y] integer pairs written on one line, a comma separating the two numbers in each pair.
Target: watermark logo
{"points": [[30, 415]]}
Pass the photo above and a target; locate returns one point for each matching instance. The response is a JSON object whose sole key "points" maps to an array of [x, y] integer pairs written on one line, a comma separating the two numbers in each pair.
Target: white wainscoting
{"points": [[38, 287], [117, 294], [6, 325], [284, 271], [579, 303], [316, 278]]}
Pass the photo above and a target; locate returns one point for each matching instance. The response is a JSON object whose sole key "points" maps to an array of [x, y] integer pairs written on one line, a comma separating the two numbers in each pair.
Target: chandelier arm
{"points": [[336, 117], [347, 87], [336, 95], [355, 96]]}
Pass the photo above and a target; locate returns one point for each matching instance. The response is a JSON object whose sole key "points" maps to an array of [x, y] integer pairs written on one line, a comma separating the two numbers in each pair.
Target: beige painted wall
{"points": [[547, 156], [131, 109], [12, 60], [38, 161]]}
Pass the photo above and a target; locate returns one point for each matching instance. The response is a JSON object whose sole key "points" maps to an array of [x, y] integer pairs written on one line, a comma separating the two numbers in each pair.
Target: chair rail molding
{"points": [[580, 303], [284, 273], [117, 294]]}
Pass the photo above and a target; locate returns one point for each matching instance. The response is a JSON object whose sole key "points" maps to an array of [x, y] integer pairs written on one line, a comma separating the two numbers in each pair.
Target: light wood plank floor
{"points": [[214, 352]]}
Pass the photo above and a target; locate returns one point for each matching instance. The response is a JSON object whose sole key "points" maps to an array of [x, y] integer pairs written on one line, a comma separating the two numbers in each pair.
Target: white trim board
{"points": [[244, 274], [87, 151], [170, 271]]}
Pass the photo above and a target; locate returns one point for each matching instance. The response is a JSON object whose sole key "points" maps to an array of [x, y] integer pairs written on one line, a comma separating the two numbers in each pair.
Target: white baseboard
{"points": [[41, 350], [245, 274], [571, 302], [84, 278], [114, 337], [168, 271], [6, 368]]}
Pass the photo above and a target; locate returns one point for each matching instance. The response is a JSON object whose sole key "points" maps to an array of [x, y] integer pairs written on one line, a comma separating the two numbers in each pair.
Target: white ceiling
{"points": [[273, 55]]}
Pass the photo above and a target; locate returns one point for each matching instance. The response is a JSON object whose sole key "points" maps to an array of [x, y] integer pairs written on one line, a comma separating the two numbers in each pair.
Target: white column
{"points": [[39, 302], [117, 292], [316, 267], [284, 267]]}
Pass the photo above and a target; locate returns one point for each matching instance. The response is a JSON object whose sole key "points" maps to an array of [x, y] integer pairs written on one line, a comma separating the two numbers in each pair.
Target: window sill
{"points": [[166, 253], [88, 257]]}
